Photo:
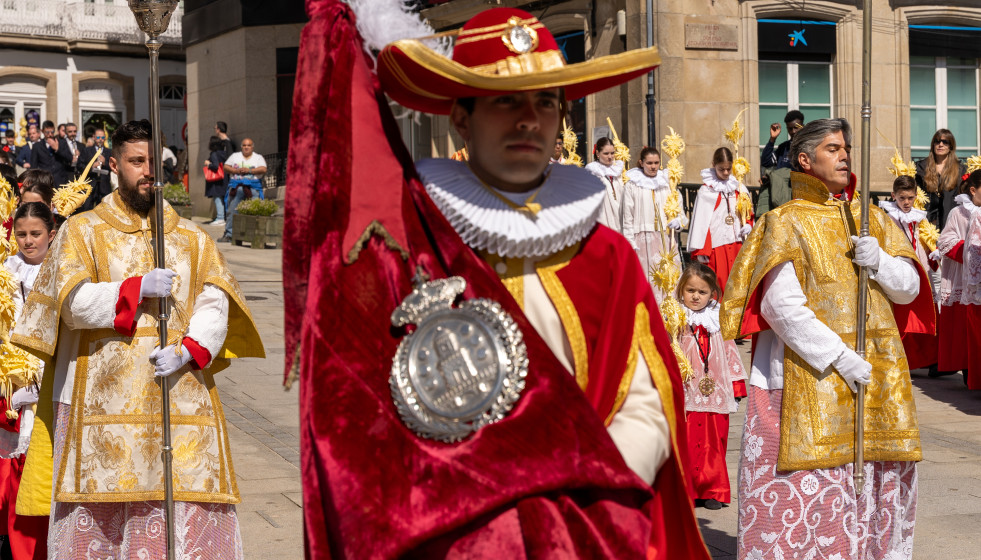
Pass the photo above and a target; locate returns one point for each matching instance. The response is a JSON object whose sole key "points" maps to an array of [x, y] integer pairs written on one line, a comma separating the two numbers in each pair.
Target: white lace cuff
{"points": [[209, 320], [91, 305], [898, 278]]}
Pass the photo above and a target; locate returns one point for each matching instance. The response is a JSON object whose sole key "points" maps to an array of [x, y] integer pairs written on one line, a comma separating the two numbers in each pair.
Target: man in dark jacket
{"points": [[68, 155], [43, 153], [99, 173], [24, 153], [776, 166]]}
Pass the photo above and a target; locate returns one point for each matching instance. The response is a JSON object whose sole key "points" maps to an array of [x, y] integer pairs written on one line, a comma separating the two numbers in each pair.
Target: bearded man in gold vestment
{"points": [[91, 319], [795, 286]]}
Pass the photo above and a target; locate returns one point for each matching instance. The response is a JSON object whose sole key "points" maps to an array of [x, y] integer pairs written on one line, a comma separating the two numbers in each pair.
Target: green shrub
{"points": [[175, 194], [257, 207]]}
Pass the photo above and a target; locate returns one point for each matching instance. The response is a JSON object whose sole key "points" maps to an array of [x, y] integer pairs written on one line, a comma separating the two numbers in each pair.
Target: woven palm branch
{"points": [[73, 194], [673, 145], [622, 152], [674, 320]]}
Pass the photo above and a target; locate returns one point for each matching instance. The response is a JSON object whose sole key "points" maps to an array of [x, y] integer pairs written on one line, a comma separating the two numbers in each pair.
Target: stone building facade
{"points": [[84, 62], [764, 57], [241, 65]]}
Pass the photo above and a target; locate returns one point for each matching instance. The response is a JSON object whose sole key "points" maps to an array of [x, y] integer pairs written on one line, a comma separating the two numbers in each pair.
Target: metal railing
{"points": [[275, 169], [73, 21]]}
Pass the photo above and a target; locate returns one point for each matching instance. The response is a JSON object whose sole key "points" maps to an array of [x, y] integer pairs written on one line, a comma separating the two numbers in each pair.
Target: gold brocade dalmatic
{"points": [[113, 442], [817, 419]]}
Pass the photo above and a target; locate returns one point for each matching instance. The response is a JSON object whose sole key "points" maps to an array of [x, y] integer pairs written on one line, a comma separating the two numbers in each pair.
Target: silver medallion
{"points": [[520, 38], [462, 368], [730, 220]]}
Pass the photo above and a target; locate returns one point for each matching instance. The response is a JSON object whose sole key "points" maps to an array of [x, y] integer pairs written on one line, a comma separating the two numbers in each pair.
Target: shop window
{"points": [[784, 86], [795, 71], [943, 94]]}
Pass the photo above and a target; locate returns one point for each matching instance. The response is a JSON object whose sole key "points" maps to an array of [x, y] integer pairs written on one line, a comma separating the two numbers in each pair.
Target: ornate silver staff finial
{"points": [[153, 16]]}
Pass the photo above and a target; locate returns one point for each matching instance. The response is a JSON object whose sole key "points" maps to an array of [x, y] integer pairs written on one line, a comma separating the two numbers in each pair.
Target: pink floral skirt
{"points": [[137, 529], [814, 514]]}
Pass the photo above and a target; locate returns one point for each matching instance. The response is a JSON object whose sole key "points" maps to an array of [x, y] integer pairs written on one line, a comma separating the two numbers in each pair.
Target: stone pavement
{"points": [[263, 426], [263, 419], [948, 512]]}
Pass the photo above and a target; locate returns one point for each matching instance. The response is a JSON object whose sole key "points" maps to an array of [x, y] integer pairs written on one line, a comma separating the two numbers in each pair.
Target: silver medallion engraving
{"points": [[462, 368]]}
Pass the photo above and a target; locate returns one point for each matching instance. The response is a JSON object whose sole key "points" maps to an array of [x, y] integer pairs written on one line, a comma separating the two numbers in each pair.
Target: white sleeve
{"points": [[640, 429], [91, 305], [898, 278], [784, 307], [629, 204], [209, 320]]}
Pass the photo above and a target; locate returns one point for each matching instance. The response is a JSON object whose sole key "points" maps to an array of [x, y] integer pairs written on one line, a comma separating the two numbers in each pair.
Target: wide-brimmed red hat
{"points": [[500, 50]]}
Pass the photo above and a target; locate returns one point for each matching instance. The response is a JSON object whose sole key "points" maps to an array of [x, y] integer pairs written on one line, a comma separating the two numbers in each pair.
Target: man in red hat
{"points": [[541, 414]]}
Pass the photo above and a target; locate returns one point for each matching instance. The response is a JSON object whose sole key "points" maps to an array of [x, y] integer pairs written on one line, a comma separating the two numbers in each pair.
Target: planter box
{"points": [[257, 230], [183, 211]]}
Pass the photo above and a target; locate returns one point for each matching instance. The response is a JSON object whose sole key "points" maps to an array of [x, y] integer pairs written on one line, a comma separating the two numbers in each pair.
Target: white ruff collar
{"points": [[708, 317], [914, 216], [728, 186], [965, 201], [639, 178], [600, 170], [570, 200]]}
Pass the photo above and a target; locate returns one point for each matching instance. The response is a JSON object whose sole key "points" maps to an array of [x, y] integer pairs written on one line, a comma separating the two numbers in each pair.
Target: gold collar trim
{"points": [[117, 214]]}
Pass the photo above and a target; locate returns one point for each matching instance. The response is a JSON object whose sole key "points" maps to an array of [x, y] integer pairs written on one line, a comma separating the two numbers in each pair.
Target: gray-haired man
{"points": [[794, 287]]}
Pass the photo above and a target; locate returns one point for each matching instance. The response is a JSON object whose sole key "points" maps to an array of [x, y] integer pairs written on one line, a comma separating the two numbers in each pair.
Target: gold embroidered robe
{"points": [[817, 419], [114, 436]]}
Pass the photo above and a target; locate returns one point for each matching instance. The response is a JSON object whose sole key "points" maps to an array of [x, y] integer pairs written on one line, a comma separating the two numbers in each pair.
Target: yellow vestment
{"points": [[818, 414], [112, 447]]}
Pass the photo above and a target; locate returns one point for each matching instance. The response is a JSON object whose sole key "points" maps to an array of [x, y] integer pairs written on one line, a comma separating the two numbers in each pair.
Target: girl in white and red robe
{"points": [[921, 348], [710, 395], [717, 231], [958, 348], [645, 224], [610, 171], [33, 230]]}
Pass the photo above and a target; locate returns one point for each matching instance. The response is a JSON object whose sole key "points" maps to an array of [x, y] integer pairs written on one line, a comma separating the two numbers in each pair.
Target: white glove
{"points": [[168, 361], [853, 369], [866, 252], [157, 283], [675, 224], [745, 230], [702, 259], [23, 397], [936, 256]]}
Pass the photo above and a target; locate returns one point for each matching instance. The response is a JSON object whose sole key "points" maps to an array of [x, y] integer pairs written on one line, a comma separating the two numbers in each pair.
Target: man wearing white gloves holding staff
{"points": [[91, 317], [794, 285]]}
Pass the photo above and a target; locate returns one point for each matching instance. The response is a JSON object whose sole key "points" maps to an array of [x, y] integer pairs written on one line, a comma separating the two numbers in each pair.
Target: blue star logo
{"points": [[797, 37]]}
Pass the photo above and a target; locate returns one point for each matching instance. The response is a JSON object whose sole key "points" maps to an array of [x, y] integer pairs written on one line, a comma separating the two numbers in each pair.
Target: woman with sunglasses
{"points": [[939, 174]]}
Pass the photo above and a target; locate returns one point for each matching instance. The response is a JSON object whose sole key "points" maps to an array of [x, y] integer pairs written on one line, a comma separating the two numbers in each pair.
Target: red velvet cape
{"points": [[547, 480]]}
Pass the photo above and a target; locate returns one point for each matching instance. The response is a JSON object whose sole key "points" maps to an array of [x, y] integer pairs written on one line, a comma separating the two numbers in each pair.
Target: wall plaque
{"points": [[714, 36]]}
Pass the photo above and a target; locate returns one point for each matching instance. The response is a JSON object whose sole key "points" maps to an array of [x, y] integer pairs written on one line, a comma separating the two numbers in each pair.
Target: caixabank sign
{"points": [[796, 39]]}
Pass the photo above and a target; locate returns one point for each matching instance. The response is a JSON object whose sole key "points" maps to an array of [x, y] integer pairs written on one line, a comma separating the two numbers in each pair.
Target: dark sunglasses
{"points": [[943, 141]]}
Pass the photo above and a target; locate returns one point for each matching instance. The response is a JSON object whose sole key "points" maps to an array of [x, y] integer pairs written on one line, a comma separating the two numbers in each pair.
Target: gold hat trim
{"points": [[523, 64], [501, 33], [499, 26], [596, 69]]}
